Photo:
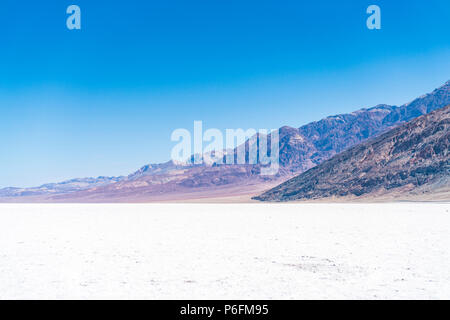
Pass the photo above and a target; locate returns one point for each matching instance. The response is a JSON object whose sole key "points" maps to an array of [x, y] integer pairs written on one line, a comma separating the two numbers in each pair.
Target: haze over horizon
{"points": [[104, 100]]}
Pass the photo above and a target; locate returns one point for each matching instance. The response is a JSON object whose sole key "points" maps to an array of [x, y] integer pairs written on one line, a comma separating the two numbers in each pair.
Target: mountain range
{"points": [[300, 149], [412, 159]]}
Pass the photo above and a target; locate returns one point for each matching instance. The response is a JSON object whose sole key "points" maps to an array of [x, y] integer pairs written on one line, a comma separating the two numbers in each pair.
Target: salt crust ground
{"points": [[222, 251]]}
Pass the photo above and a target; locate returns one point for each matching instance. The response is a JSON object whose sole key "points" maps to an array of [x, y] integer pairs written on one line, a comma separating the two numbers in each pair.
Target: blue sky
{"points": [[104, 100]]}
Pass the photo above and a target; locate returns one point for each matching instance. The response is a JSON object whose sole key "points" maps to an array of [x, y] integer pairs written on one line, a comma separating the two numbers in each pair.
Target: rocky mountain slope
{"points": [[410, 158], [334, 134], [300, 149]]}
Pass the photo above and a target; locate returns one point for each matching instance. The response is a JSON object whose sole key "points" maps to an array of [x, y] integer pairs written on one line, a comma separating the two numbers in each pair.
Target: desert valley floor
{"points": [[221, 251]]}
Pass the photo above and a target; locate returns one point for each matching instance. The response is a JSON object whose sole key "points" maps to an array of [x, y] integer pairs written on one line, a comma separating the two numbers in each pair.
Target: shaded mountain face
{"points": [[299, 150], [412, 156], [335, 134], [305, 147]]}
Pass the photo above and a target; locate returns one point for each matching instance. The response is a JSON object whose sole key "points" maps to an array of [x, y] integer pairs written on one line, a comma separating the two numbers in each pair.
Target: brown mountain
{"points": [[300, 149], [412, 159]]}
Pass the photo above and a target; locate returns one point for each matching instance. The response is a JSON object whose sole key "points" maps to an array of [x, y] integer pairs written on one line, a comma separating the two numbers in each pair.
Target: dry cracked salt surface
{"points": [[225, 251]]}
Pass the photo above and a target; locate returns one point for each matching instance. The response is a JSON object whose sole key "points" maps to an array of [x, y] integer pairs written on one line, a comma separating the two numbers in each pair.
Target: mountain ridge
{"points": [[411, 157], [300, 150]]}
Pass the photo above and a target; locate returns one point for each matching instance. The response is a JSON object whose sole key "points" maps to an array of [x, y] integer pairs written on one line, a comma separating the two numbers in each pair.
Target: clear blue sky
{"points": [[104, 100]]}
